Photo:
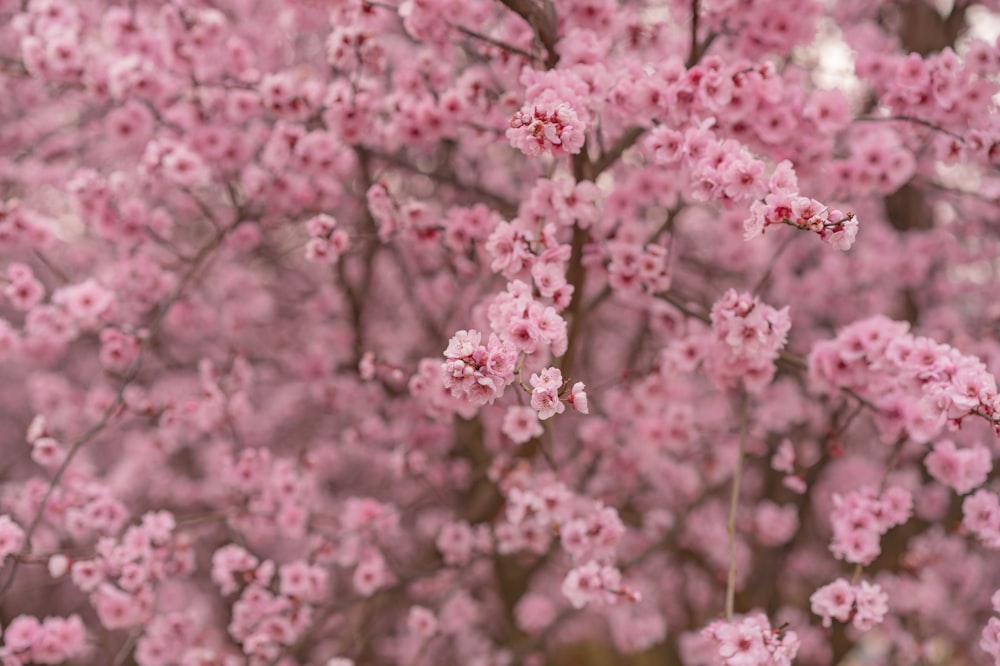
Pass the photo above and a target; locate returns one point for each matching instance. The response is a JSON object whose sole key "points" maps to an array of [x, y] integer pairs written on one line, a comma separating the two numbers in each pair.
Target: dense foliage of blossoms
{"points": [[495, 332]]}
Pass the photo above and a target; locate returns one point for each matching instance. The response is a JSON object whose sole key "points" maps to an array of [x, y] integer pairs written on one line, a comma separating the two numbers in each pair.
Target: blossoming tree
{"points": [[499, 332]]}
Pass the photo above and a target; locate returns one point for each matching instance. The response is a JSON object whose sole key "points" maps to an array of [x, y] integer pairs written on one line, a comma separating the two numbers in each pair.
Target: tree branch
{"points": [[542, 22]]}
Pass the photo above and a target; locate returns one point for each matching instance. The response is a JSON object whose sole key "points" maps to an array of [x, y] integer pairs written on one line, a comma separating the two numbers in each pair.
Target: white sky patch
{"points": [[983, 23]]}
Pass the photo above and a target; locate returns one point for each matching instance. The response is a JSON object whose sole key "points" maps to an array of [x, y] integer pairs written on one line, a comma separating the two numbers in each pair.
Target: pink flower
{"points": [[872, 604], [229, 561], [455, 541], [371, 574], [751, 641], [547, 402], [835, 600], [118, 349], [521, 424], [185, 167], [303, 581], [422, 622], [775, 525], [22, 633], [578, 398], [593, 583], [548, 378], [960, 469], [534, 612], [981, 516], [116, 608], [85, 302], [23, 291], [990, 638], [11, 537]]}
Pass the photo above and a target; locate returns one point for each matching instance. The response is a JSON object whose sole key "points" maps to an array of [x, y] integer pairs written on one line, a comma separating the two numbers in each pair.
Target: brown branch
{"points": [[542, 21], [13, 67], [575, 273], [624, 142], [501, 204], [734, 502], [693, 54], [675, 301], [698, 49], [496, 42]]}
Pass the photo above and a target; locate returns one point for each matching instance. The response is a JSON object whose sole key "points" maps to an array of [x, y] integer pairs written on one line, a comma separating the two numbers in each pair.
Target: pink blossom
{"points": [[546, 400], [961, 469], [990, 638], [871, 605], [370, 575], [578, 398], [594, 584], [521, 424], [11, 537], [116, 608], [302, 581], [834, 600]]}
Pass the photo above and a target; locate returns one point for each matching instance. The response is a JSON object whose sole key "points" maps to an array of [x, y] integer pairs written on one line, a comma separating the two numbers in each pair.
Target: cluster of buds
{"points": [[546, 127]]}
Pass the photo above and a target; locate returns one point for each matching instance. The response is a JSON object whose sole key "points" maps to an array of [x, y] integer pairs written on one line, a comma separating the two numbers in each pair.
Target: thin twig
{"points": [[734, 501], [672, 298], [112, 409], [541, 22], [911, 119], [624, 142], [496, 42], [126, 650], [772, 263]]}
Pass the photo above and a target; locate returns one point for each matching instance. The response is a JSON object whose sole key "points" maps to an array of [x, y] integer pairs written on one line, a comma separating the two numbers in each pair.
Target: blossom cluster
{"points": [[550, 127], [326, 242], [864, 604], [747, 336], [475, 371], [861, 517], [752, 641], [918, 384]]}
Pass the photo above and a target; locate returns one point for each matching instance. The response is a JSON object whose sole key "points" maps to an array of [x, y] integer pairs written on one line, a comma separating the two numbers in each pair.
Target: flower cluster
{"points": [[981, 516], [476, 372], [123, 577], [265, 622], [751, 641], [546, 127], [784, 205], [526, 323], [746, 338], [918, 384], [865, 603], [990, 637], [962, 470], [54, 640], [547, 387], [861, 517], [595, 584], [326, 242], [589, 532]]}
